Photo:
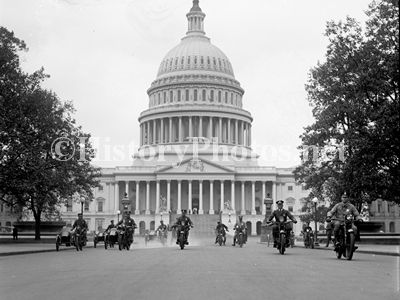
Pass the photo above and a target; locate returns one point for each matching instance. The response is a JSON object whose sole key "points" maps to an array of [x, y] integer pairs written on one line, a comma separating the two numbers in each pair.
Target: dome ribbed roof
{"points": [[195, 53]]}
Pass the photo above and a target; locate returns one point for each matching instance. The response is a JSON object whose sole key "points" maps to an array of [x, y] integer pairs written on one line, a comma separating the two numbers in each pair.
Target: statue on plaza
{"points": [[163, 203]]}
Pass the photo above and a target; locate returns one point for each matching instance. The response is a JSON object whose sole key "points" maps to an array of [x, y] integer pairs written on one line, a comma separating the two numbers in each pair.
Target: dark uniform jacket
{"points": [[185, 219], [82, 223], [221, 228], [341, 209], [127, 222], [162, 227], [110, 226], [281, 212]]}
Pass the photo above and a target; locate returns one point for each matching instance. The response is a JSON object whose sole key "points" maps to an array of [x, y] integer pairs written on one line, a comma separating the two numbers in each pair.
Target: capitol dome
{"points": [[195, 94], [195, 54]]}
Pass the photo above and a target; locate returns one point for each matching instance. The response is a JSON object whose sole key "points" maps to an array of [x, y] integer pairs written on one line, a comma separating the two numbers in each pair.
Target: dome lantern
{"points": [[195, 20]]}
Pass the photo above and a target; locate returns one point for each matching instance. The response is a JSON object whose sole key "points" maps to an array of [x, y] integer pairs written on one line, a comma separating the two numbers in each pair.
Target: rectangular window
{"points": [[219, 96], [69, 205], [226, 97], [171, 96], [187, 95], [100, 224], [86, 206], [232, 98], [179, 95], [165, 97], [101, 187], [212, 96], [290, 188], [204, 95], [100, 206], [195, 95], [290, 208]]}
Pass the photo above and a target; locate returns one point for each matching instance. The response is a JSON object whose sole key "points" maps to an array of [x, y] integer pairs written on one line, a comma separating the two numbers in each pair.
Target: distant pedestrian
{"points": [[15, 233]]}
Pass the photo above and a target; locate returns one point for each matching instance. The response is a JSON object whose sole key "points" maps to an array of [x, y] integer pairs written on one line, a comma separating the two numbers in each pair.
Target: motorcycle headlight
{"points": [[281, 219]]}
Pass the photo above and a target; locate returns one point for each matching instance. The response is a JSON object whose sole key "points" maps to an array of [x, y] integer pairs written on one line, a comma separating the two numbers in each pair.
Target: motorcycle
{"points": [[162, 236], [221, 238], [283, 240], [346, 238], [124, 236], [64, 237], [78, 238], [182, 228], [240, 236], [308, 239], [111, 238]]}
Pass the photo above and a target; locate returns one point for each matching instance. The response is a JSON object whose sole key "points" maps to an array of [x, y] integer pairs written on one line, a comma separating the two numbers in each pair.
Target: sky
{"points": [[103, 55]]}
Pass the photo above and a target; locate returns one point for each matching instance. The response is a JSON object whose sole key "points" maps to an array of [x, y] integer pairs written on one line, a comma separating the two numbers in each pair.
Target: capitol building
{"points": [[195, 150]]}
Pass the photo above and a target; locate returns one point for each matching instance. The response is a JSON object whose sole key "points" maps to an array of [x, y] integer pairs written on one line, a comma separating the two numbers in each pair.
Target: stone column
{"points": [[180, 129], [127, 188], [154, 132], [211, 127], [229, 130], [263, 197], [243, 211], [190, 195], [190, 126], [147, 133], [179, 198], [236, 133], [157, 196], [241, 133], [170, 130], [233, 195], [162, 131], [116, 196], [211, 212], [253, 197], [200, 126], [201, 211], [274, 196], [220, 131], [137, 211], [147, 198], [168, 195], [249, 134], [222, 195]]}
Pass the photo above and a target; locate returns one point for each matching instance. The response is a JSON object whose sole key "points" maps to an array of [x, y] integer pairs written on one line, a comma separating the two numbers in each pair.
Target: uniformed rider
{"points": [[280, 212]]}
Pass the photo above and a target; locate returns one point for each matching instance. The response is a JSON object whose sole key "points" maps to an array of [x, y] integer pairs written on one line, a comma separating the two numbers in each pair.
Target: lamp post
{"points": [[229, 217], [161, 213], [315, 201], [82, 200], [118, 213], [265, 232]]}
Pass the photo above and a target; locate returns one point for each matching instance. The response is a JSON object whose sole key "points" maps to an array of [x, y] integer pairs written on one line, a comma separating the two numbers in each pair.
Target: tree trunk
{"points": [[37, 227]]}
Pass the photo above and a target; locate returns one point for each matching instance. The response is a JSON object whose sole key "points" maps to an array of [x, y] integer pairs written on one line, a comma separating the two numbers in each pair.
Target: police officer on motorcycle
{"points": [[187, 222], [337, 215], [130, 225], [220, 229], [239, 226], [110, 226], [162, 229], [280, 212], [80, 222]]}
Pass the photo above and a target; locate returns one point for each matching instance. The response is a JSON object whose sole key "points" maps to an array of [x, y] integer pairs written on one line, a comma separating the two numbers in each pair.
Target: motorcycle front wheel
{"points": [[282, 244], [350, 246]]}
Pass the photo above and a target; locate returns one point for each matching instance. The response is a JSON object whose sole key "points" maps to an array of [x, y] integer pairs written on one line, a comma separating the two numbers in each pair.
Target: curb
{"points": [[357, 251], [37, 251]]}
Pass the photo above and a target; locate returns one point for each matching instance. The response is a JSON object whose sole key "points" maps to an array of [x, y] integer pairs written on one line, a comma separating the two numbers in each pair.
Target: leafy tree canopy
{"points": [[45, 157], [354, 145]]}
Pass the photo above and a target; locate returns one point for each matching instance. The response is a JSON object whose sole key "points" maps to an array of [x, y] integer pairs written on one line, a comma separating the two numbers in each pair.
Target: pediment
{"points": [[193, 165]]}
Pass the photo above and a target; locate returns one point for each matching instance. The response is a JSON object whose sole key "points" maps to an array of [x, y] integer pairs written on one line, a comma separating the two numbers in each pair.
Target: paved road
{"points": [[203, 271]]}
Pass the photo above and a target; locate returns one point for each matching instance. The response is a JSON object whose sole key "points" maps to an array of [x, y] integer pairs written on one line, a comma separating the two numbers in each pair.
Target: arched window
{"points": [[195, 95], [187, 95], [171, 96], [219, 96], [204, 95], [179, 95], [212, 96]]}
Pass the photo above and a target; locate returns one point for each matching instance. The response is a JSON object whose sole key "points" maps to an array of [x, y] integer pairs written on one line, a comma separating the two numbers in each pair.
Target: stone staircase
{"points": [[204, 225]]}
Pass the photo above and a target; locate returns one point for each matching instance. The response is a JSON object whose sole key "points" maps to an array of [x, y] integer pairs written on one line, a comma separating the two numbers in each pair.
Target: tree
{"points": [[45, 157], [354, 145]]}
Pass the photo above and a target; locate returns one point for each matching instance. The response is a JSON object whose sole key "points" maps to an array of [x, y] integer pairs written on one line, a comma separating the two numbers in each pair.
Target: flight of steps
{"points": [[203, 225]]}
